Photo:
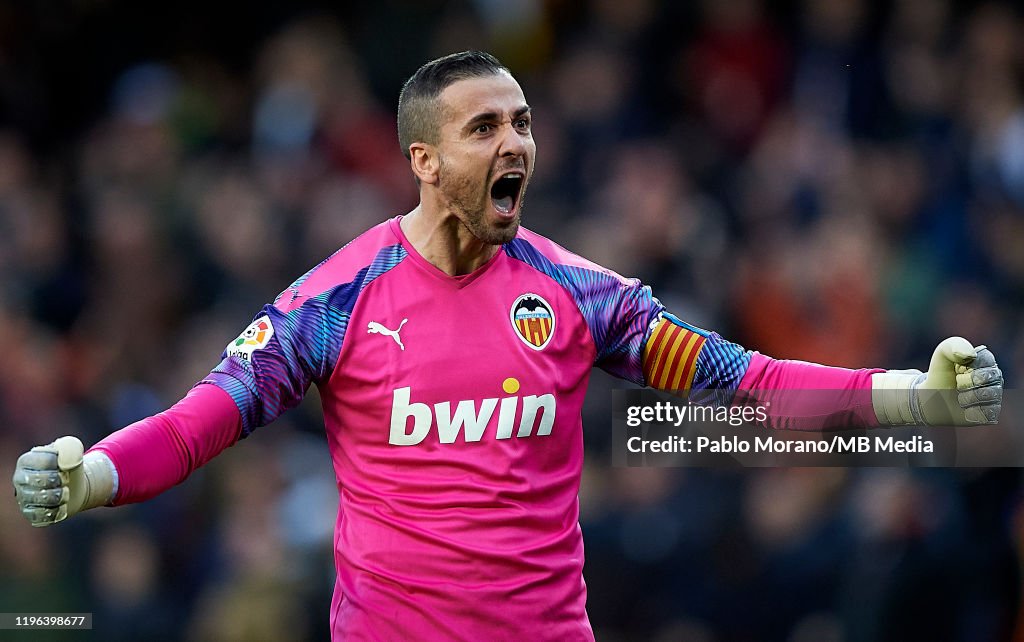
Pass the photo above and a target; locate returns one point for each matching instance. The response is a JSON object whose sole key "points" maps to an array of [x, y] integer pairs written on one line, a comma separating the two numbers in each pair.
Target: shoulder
{"points": [[365, 257], [554, 260]]}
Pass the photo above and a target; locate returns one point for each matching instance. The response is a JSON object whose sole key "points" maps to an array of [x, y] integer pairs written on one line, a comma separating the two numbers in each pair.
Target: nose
{"points": [[513, 142]]}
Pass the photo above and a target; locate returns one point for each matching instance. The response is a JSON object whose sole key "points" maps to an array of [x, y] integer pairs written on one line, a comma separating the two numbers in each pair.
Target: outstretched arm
{"points": [[638, 340], [152, 455], [963, 385], [56, 481], [263, 372]]}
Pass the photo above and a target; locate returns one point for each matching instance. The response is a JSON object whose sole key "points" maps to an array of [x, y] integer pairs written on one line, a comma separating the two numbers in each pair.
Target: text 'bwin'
{"points": [[538, 413]]}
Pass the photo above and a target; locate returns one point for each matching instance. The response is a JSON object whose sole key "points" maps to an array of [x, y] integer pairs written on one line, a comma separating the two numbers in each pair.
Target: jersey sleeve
{"points": [[296, 341], [683, 359], [678, 356], [160, 451], [270, 366], [265, 371], [621, 314], [800, 395]]}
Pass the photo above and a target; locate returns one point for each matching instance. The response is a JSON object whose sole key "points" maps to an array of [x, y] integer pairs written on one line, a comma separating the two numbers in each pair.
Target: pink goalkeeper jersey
{"points": [[452, 409]]}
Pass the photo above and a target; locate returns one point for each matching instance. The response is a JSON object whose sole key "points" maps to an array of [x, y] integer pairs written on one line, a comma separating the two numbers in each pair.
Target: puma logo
{"points": [[376, 328]]}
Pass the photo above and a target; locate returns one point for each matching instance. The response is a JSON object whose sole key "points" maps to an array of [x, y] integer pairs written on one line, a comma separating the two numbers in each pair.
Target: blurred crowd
{"points": [[834, 180]]}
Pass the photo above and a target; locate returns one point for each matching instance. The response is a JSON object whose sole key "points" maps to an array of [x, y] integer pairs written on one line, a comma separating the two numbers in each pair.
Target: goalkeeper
{"points": [[452, 349]]}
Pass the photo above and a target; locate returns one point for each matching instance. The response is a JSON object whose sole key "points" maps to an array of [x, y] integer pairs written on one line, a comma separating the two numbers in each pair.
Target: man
{"points": [[452, 349]]}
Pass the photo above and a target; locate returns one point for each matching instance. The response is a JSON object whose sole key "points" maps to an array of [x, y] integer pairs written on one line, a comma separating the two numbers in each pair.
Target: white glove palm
{"points": [[963, 387]]}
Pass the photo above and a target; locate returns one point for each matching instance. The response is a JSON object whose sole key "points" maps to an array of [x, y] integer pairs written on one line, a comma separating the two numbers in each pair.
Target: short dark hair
{"points": [[418, 109]]}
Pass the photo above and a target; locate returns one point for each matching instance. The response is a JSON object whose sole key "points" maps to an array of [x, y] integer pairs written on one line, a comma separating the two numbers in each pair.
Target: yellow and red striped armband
{"points": [[670, 356]]}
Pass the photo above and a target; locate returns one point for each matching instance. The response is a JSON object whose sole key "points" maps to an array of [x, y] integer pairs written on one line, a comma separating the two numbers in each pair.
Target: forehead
{"points": [[464, 99]]}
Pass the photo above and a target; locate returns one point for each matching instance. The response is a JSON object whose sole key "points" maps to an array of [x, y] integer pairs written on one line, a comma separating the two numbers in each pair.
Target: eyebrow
{"points": [[490, 117]]}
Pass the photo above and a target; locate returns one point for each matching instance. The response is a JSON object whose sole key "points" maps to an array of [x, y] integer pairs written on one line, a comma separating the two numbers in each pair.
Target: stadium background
{"points": [[815, 180]]}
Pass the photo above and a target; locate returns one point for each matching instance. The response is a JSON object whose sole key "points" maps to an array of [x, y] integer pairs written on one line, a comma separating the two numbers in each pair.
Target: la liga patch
{"points": [[256, 336]]}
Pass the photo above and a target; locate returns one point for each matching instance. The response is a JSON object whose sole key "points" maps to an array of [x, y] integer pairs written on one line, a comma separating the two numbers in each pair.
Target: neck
{"points": [[444, 241]]}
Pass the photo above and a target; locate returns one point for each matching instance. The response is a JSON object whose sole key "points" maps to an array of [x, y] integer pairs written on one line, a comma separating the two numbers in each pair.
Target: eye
{"points": [[523, 123], [482, 129]]}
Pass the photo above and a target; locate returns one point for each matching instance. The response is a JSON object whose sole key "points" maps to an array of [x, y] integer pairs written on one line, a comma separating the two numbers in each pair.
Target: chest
{"points": [[512, 331]]}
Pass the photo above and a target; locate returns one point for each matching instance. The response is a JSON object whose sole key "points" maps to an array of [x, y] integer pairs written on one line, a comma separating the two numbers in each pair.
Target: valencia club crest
{"points": [[533, 320]]}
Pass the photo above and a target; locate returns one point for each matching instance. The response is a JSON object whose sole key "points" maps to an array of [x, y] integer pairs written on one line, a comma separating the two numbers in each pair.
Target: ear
{"points": [[425, 162]]}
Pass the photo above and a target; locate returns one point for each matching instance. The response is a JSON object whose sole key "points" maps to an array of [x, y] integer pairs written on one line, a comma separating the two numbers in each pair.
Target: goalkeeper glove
{"points": [[963, 387], [53, 482]]}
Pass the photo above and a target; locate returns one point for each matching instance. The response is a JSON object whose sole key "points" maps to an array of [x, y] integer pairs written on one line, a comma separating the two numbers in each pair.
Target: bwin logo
{"points": [[538, 412]]}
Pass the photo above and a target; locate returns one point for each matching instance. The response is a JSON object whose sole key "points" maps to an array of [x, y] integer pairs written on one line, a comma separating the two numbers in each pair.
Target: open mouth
{"points": [[505, 192]]}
